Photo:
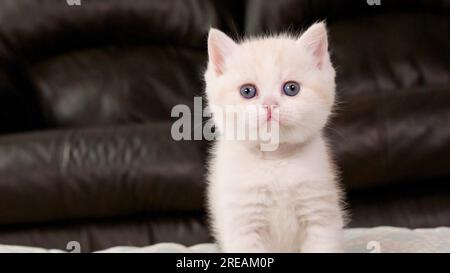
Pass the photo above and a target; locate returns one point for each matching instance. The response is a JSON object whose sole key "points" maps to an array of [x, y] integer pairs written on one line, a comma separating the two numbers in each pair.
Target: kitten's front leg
{"points": [[322, 239], [243, 241], [321, 217], [244, 230]]}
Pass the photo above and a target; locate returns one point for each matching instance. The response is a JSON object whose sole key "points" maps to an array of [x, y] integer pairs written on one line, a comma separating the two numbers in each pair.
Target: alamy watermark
{"points": [[73, 2], [231, 122], [373, 2], [373, 246], [73, 247]]}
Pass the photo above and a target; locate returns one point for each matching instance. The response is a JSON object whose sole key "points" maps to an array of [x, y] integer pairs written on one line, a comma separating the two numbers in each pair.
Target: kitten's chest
{"points": [[284, 225]]}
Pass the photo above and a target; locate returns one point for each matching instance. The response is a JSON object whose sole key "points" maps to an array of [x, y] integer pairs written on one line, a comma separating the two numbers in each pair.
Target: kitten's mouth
{"points": [[268, 119], [272, 119], [269, 115], [272, 114]]}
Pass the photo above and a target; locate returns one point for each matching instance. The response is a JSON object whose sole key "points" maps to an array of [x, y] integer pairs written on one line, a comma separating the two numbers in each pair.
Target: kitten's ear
{"points": [[315, 40], [220, 47]]}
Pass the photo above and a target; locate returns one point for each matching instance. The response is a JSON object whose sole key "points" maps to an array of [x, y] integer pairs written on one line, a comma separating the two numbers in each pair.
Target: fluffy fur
{"points": [[285, 200]]}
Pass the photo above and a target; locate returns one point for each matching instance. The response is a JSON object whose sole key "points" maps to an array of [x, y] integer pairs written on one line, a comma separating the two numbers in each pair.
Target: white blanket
{"points": [[374, 240]]}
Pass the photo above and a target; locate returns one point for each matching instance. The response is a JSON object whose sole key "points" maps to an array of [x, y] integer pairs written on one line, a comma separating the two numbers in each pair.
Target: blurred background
{"points": [[86, 93]]}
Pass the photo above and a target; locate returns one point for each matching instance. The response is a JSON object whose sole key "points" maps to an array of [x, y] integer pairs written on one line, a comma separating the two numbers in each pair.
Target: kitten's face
{"points": [[294, 75]]}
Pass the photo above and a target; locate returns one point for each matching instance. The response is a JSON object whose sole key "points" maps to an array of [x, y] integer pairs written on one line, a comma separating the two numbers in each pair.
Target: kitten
{"points": [[285, 200]]}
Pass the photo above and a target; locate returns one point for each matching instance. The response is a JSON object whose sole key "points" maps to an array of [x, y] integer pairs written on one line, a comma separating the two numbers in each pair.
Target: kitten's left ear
{"points": [[220, 47], [315, 40]]}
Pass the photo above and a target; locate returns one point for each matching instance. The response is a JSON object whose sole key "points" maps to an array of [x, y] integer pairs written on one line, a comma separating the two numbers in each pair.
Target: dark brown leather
{"points": [[86, 94], [99, 172]]}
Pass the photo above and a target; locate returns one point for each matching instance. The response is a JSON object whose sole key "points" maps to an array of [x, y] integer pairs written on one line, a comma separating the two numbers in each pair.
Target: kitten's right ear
{"points": [[220, 47]]}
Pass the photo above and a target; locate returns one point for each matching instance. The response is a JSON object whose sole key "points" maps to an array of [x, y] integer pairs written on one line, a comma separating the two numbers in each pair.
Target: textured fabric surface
{"points": [[357, 240]]}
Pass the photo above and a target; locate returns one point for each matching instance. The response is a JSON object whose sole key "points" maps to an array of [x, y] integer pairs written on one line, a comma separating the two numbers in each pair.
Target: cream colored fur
{"points": [[286, 200]]}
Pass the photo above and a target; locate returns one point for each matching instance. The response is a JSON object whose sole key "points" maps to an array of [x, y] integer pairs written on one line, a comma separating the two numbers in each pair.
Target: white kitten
{"points": [[285, 200]]}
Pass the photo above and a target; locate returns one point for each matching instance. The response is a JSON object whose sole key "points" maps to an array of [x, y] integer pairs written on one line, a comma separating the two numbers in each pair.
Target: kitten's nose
{"points": [[270, 101], [269, 104]]}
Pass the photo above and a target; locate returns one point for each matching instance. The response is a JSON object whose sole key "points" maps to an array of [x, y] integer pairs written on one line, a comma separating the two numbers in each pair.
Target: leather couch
{"points": [[86, 94]]}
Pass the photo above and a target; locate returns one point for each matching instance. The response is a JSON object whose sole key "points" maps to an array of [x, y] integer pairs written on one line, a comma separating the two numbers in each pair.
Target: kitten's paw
{"points": [[321, 248], [244, 248], [323, 240]]}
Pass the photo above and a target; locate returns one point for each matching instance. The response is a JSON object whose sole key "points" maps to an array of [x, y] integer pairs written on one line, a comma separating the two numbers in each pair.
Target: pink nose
{"points": [[269, 104], [270, 101]]}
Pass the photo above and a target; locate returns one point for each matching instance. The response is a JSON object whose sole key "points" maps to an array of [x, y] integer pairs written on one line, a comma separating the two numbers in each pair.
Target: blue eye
{"points": [[291, 88], [248, 91]]}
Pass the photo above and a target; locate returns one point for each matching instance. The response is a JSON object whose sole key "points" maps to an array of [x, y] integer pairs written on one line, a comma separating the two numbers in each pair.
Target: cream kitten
{"points": [[286, 200]]}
